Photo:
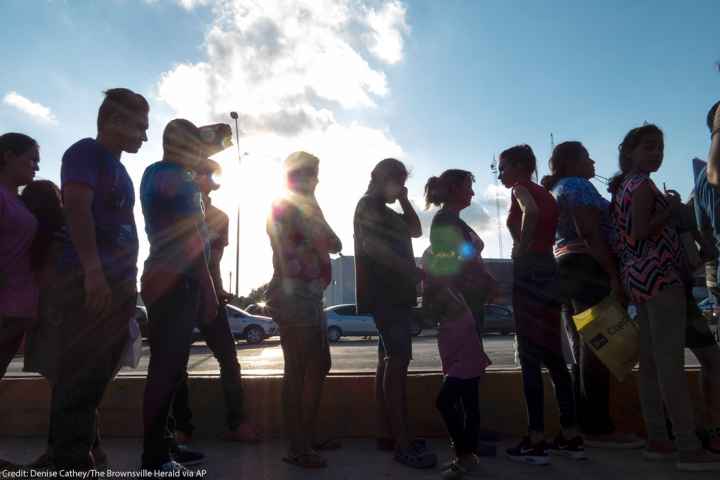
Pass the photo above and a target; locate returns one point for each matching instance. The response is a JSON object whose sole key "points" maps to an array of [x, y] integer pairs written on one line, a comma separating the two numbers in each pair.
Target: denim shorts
{"points": [[394, 325]]}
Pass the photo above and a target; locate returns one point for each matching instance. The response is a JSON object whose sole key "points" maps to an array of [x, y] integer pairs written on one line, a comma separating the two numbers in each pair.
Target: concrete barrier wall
{"points": [[347, 410]]}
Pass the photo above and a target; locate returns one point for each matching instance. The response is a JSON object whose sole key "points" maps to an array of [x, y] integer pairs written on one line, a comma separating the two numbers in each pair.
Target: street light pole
{"points": [[234, 116]]}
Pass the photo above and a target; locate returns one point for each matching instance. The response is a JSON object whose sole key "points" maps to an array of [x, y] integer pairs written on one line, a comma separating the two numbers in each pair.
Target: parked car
{"points": [[499, 319], [254, 329], [343, 321]]}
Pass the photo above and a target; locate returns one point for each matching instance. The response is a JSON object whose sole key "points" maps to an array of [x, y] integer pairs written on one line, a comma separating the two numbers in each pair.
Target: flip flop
{"points": [[306, 460]]}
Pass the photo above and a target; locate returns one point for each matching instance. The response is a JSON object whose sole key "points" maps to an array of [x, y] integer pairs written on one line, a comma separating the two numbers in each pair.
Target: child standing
{"points": [[463, 362]]}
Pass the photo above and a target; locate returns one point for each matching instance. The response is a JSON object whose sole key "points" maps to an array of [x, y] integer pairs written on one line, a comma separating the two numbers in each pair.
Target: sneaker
{"points": [[573, 448], [614, 441], [659, 451], [698, 461], [528, 453], [467, 467], [185, 456]]}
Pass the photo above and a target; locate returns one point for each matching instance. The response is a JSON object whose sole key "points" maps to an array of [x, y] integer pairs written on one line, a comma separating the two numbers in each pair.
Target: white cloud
{"points": [[35, 110], [388, 30], [289, 67]]}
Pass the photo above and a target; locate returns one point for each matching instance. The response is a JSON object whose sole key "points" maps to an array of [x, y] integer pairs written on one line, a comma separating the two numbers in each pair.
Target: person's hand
{"points": [[673, 198], [224, 297], [98, 296], [403, 197]]}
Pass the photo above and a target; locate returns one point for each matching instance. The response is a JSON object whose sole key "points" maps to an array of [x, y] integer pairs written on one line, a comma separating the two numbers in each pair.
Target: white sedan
{"points": [[254, 329], [343, 321]]}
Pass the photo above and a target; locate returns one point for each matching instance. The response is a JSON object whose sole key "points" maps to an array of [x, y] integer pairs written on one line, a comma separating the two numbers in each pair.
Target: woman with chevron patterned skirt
{"points": [[650, 258]]}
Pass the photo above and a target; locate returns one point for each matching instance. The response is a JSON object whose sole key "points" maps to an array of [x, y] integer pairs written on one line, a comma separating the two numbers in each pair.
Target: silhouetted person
{"points": [[652, 267], [217, 334], [96, 297], [386, 283], [176, 284], [588, 274], [532, 222], [19, 157], [707, 215], [43, 337], [302, 242], [457, 281]]}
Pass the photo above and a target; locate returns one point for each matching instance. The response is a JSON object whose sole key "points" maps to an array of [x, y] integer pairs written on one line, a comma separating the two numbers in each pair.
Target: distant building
{"points": [[342, 286]]}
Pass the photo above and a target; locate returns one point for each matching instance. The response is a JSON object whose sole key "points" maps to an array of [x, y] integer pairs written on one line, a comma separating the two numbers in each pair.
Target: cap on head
{"points": [[182, 139]]}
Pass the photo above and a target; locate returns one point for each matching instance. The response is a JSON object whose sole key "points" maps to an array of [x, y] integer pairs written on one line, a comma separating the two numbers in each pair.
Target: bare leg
{"points": [[394, 388]]}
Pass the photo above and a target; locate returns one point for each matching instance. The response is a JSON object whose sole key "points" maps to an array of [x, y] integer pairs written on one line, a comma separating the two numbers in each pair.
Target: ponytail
{"points": [[438, 189], [563, 155]]}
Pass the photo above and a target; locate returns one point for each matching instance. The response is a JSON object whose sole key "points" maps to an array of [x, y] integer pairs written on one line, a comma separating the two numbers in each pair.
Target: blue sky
{"points": [[438, 84]]}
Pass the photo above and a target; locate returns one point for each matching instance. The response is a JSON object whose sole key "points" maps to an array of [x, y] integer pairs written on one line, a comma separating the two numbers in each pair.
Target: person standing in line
{"points": [[44, 200], [386, 288], [302, 242], [652, 265], [706, 205], [217, 334], [461, 249], [95, 298], [177, 286], [532, 222], [19, 158], [455, 277], [588, 274]]}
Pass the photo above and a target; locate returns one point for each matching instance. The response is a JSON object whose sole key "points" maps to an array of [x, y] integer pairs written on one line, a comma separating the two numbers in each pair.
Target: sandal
{"points": [[306, 460], [328, 445]]}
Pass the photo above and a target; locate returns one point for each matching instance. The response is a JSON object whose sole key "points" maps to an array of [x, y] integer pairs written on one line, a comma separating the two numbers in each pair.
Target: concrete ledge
{"points": [[347, 408]]}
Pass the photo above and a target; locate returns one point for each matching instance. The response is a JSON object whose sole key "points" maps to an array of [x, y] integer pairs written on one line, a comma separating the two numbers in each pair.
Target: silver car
{"points": [[254, 329], [343, 321]]}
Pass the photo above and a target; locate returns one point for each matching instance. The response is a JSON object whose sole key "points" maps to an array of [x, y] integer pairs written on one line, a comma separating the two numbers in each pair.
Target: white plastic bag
{"points": [[133, 348]]}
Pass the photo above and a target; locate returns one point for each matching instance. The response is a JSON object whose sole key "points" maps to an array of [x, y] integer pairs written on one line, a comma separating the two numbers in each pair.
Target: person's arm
{"points": [[587, 221], [410, 215], [645, 222], [327, 236], [78, 199], [530, 215], [713, 166]]}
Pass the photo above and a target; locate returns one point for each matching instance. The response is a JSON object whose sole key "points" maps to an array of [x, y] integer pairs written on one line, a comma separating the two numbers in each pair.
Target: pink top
{"points": [[18, 291], [461, 349]]}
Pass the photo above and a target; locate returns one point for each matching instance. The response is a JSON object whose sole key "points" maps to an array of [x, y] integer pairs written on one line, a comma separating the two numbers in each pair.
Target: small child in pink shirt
{"points": [[463, 362]]}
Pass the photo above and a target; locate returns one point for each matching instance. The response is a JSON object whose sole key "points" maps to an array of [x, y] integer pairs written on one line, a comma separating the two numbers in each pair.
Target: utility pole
{"points": [[494, 170]]}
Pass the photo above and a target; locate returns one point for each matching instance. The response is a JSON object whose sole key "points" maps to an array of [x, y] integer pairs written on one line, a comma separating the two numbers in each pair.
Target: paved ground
{"points": [[359, 460], [349, 355]]}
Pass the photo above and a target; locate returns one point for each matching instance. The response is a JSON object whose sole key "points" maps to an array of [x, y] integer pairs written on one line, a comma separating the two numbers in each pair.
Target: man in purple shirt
{"points": [[98, 267]]}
